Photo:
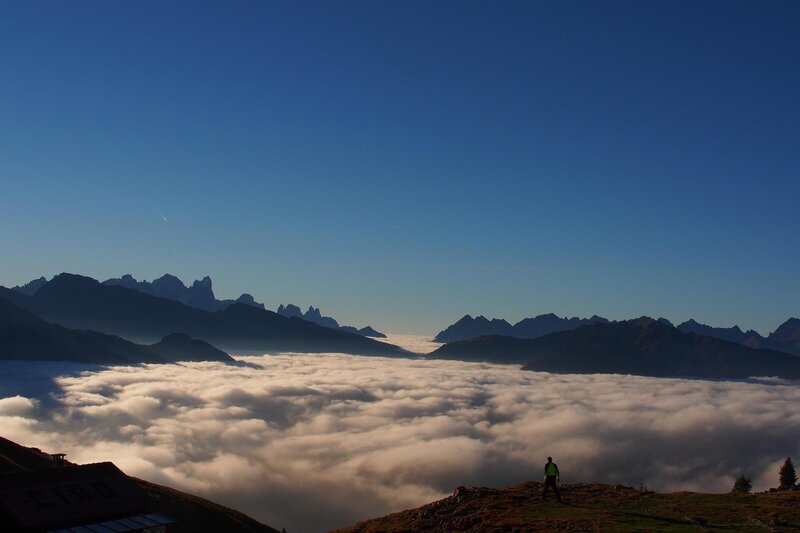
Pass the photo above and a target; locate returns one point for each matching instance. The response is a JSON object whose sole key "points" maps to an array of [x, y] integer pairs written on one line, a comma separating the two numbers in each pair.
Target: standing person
{"points": [[551, 478]]}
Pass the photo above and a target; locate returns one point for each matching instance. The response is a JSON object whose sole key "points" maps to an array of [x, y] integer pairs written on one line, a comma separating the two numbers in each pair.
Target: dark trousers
{"points": [[550, 481]]}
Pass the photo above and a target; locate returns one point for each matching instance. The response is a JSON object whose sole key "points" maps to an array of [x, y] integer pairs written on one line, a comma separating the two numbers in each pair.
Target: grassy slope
{"points": [[593, 507], [198, 514]]}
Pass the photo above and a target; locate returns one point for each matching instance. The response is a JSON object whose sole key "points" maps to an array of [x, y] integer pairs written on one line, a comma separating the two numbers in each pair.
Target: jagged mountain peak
{"points": [[205, 282], [314, 314], [199, 295], [788, 331], [468, 328], [31, 287]]}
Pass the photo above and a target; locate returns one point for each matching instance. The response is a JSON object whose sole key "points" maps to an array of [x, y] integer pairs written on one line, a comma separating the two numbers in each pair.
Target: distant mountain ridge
{"points": [[786, 338], [313, 314], [528, 328], [199, 295], [733, 334], [84, 303], [641, 346]]}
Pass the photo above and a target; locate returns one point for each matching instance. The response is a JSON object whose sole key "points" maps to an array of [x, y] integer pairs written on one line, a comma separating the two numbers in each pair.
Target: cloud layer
{"points": [[311, 442]]}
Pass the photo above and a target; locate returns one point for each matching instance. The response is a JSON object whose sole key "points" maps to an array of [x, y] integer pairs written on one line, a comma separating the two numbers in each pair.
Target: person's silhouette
{"points": [[551, 478]]}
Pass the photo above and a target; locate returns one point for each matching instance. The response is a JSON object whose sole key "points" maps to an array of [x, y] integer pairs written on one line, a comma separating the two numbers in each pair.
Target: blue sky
{"points": [[404, 163]]}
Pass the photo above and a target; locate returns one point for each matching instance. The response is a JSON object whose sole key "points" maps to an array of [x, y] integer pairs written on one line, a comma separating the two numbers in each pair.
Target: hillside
{"points": [[592, 507], [194, 513], [643, 346]]}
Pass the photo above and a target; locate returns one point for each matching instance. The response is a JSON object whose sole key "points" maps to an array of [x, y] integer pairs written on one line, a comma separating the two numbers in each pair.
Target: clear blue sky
{"points": [[401, 164]]}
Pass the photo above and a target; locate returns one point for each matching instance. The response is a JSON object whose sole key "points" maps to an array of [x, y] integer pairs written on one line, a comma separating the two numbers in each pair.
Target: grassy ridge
{"points": [[593, 507]]}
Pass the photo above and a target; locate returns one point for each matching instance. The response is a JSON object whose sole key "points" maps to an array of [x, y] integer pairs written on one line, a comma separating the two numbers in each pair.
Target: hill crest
{"points": [[592, 507]]}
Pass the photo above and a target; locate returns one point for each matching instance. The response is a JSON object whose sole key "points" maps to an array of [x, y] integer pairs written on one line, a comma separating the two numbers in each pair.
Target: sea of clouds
{"points": [[311, 442]]}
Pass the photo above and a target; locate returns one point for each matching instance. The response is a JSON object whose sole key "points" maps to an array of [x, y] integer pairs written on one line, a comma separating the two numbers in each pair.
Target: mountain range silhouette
{"points": [[200, 295], [642, 346], [786, 338], [81, 302]]}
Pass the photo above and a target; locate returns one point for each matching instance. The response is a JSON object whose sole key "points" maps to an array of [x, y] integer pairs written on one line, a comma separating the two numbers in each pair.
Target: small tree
{"points": [[788, 476], [742, 484]]}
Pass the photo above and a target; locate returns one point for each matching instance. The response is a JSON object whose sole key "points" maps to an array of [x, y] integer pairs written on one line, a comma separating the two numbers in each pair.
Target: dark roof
{"points": [[72, 495]]}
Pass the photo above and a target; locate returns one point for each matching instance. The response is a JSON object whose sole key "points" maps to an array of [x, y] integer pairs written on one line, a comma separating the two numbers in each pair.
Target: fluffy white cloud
{"points": [[17, 406], [310, 442]]}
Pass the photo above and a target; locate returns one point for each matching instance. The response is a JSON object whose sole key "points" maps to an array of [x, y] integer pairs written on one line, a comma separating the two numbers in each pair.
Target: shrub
{"points": [[742, 484]]}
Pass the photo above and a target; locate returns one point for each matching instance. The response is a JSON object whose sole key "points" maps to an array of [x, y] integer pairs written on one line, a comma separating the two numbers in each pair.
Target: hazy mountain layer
{"points": [[25, 336]]}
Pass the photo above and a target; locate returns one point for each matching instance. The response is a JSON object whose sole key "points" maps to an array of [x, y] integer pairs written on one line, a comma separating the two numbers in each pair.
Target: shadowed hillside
{"points": [[592, 507]]}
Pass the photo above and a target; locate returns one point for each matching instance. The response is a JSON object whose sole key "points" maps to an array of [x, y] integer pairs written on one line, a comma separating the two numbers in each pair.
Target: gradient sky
{"points": [[401, 164]]}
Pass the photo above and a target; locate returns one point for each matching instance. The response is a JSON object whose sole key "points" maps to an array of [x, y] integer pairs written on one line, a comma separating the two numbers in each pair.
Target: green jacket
{"points": [[551, 470]]}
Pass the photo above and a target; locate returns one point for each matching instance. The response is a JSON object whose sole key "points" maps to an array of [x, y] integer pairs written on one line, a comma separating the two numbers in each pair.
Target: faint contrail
{"points": [[160, 213]]}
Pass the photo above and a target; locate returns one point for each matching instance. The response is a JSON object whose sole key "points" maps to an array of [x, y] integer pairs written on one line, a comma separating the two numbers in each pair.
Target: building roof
{"points": [[122, 525]]}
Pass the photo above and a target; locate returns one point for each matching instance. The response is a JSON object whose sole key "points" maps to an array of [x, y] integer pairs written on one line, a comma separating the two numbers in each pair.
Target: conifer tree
{"points": [[788, 477], [742, 484]]}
